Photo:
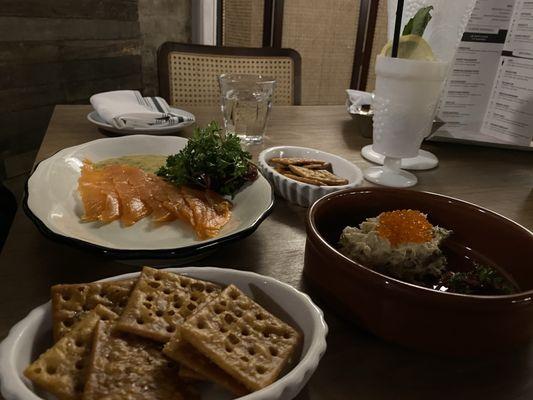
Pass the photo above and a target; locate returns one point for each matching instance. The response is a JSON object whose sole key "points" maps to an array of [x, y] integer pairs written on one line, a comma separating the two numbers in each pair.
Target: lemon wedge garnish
{"points": [[412, 47]]}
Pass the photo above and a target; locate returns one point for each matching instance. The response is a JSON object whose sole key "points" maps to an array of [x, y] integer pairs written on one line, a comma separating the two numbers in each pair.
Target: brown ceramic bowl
{"points": [[415, 316]]}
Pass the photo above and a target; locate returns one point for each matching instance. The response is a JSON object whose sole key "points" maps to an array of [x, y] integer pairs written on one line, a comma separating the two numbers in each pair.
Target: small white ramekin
{"points": [[301, 193]]}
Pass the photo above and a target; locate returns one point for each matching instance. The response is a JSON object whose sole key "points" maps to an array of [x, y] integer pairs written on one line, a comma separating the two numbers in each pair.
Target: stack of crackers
{"points": [[307, 170], [155, 336]]}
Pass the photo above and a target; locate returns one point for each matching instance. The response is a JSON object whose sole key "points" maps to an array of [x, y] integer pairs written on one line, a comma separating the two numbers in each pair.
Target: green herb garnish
{"points": [[417, 24], [482, 280], [212, 161]]}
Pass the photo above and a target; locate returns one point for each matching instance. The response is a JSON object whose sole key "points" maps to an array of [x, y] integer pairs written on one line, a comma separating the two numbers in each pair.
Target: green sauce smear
{"points": [[147, 162]]}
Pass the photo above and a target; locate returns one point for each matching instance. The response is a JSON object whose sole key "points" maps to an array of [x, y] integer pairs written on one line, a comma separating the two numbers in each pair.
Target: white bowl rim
{"points": [[13, 387], [264, 162]]}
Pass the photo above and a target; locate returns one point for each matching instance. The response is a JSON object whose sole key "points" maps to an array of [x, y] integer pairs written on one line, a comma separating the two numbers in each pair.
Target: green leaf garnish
{"points": [[482, 279], [212, 161], [417, 25]]}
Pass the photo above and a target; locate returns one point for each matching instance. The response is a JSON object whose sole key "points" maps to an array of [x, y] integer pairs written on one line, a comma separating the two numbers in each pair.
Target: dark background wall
{"points": [[63, 51], [161, 21]]}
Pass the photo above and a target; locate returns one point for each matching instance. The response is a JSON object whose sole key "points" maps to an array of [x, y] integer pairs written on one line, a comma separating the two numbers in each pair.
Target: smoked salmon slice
{"points": [[128, 193], [210, 211], [100, 199], [152, 190], [132, 207]]}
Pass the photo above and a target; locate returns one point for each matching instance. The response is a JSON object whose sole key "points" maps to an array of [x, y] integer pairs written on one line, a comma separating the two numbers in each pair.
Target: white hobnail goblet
{"points": [[405, 102]]}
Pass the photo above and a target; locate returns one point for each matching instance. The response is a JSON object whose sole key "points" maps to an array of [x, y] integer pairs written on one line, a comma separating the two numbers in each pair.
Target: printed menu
{"points": [[488, 96]]}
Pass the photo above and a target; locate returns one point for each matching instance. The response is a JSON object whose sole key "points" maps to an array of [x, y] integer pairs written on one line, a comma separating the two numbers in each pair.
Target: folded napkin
{"points": [[357, 99], [129, 109]]}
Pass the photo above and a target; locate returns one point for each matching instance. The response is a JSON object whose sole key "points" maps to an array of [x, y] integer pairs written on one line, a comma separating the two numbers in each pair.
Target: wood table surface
{"points": [[356, 365]]}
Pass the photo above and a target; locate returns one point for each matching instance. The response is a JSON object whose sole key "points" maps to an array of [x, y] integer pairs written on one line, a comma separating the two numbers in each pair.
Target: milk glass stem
{"points": [[392, 163]]}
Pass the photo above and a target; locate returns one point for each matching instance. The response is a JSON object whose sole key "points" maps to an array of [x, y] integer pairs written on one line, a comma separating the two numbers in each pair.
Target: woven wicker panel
{"points": [[324, 33], [242, 23], [193, 77], [380, 39]]}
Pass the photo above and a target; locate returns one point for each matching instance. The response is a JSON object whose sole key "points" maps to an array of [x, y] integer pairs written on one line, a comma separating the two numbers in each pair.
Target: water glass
{"points": [[246, 100]]}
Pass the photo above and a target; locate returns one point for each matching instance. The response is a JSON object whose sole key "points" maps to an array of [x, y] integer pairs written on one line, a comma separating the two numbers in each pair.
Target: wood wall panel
{"points": [[39, 29], [41, 52], [60, 51], [79, 93], [63, 51], [120, 10], [17, 99], [20, 76]]}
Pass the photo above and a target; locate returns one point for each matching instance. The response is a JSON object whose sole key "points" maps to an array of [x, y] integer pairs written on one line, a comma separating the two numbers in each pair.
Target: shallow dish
{"points": [[32, 335], [52, 201], [301, 193], [95, 118], [415, 316]]}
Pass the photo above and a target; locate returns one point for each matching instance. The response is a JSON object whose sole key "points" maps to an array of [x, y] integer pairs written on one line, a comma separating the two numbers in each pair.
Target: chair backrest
{"points": [[188, 73]]}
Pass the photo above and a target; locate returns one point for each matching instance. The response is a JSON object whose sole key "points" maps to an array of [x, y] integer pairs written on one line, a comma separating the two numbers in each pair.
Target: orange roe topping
{"points": [[404, 226]]}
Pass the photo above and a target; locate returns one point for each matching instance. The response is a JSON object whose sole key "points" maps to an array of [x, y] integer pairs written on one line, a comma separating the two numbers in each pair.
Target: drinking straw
{"points": [[397, 27]]}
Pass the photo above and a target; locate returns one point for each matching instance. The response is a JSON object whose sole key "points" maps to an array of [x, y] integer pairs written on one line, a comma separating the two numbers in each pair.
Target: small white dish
{"points": [[95, 118], [52, 202], [301, 193], [31, 336]]}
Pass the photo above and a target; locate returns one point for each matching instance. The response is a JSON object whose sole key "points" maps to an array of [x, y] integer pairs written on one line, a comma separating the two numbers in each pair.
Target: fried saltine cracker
{"points": [[327, 166], [281, 168], [295, 161], [242, 338], [61, 369], [187, 374], [161, 301], [302, 179], [128, 367], [72, 302], [184, 353], [321, 175]]}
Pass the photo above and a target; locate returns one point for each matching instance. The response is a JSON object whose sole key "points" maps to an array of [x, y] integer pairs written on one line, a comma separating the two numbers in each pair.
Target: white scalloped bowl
{"points": [[301, 193], [31, 336]]}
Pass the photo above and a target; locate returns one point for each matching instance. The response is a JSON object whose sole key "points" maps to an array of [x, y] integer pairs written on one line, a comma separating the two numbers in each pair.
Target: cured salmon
{"points": [[130, 194], [98, 194], [209, 210]]}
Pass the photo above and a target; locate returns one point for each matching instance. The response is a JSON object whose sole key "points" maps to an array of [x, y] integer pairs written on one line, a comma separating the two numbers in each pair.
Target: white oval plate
{"points": [[53, 203], [31, 336], [95, 118], [301, 193]]}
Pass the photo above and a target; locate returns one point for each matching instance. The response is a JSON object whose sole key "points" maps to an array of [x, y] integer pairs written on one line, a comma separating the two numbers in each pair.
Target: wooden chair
{"points": [[188, 73]]}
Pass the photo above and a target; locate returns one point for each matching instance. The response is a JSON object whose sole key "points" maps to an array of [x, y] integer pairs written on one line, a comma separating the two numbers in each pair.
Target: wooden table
{"points": [[356, 365]]}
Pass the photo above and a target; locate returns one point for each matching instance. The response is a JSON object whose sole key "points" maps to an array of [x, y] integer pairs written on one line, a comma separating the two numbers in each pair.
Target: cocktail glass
{"points": [[405, 101]]}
